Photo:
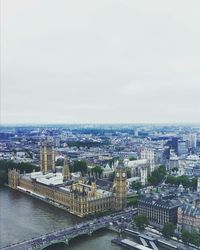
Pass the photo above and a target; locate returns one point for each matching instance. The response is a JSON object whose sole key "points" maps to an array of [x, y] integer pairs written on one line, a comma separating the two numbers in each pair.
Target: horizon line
{"points": [[100, 123]]}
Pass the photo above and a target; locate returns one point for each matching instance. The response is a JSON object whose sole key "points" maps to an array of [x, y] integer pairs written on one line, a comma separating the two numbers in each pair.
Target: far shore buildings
{"points": [[82, 197]]}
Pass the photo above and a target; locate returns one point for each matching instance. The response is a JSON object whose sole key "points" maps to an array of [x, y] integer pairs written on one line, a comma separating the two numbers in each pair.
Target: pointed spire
{"points": [[65, 171]]}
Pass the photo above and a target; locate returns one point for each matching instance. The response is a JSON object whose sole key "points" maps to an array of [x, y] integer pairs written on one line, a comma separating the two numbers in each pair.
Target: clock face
{"points": [[117, 174], [124, 175]]}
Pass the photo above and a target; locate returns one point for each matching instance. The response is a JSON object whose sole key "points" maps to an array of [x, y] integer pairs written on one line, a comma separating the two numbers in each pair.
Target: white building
{"points": [[138, 168], [192, 141], [148, 154]]}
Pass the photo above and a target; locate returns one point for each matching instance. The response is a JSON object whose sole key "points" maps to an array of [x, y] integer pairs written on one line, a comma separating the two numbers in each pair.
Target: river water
{"points": [[23, 217]]}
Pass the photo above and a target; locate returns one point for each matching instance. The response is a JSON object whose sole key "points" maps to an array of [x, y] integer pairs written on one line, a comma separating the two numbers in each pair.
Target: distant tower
{"points": [[198, 185], [13, 178], [47, 156], [65, 170], [120, 187]]}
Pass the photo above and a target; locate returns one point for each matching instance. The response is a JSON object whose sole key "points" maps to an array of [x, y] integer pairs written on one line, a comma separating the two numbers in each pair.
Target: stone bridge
{"points": [[67, 234]]}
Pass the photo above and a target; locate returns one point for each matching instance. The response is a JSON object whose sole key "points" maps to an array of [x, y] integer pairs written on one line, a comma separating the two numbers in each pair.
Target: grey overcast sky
{"points": [[100, 61]]}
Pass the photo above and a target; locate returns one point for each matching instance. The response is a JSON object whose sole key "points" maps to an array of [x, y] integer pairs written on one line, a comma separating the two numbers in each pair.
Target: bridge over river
{"points": [[66, 234]]}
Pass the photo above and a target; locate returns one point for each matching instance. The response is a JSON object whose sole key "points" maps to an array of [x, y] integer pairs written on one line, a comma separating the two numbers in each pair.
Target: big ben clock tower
{"points": [[120, 187]]}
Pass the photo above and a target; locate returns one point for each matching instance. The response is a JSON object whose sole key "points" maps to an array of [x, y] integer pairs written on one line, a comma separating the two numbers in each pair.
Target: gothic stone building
{"points": [[79, 198]]}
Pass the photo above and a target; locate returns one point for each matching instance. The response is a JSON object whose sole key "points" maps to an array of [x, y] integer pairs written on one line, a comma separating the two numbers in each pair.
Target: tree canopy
{"points": [[141, 221], [22, 167], [193, 238], [137, 185], [157, 176], [168, 230], [132, 158], [128, 173], [80, 166], [132, 201], [97, 170], [87, 144], [184, 180], [59, 162]]}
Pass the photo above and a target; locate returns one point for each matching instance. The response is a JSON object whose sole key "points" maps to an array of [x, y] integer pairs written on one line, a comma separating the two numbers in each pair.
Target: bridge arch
{"points": [[54, 243], [84, 234], [98, 229]]}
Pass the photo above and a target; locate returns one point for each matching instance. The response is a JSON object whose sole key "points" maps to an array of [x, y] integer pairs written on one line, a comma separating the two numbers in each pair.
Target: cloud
{"points": [[100, 61]]}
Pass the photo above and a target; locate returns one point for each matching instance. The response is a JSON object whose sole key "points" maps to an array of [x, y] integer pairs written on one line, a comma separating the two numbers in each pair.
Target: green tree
{"points": [[132, 159], [191, 237], [184, 180], [137, 185], [132, 201], [186, 237], [59, 162], [23, 167], [3, 177], [128, 173], [141, 221], [157, 176], [194, 183], [97, 170], [175, 169], [80, 166], [171, 180], [168, 230]]}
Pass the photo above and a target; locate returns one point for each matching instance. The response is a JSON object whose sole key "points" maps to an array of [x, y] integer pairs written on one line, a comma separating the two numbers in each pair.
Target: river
{"points": [[23, 217]]}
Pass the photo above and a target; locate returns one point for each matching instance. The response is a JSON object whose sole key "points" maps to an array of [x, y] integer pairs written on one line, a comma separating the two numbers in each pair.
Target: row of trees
{"points": [[79, 166], [141, 221], [22, 167], [132, 201], [187, 237], [157, 176], [82, 167], [184, 180], [97, 171], [193, 238], [136, 185], [28, 168], [75, 167], [168, 230], [87, 144]]}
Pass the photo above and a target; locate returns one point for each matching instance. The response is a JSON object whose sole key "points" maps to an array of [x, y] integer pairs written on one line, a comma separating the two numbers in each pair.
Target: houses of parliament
{"points": [[81, 197]]}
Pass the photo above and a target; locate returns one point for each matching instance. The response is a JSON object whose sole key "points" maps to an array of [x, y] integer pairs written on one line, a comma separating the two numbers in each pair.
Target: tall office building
{"points": [[182, 147], [192, 141], [47, 156]]}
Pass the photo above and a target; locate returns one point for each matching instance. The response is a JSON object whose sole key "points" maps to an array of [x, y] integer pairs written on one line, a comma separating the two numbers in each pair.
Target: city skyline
{"points": [[100, 62]]}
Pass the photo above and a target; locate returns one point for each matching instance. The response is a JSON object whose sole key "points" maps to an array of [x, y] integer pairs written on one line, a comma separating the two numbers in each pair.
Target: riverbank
{"points": [[39, 197], [23, 217]]}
